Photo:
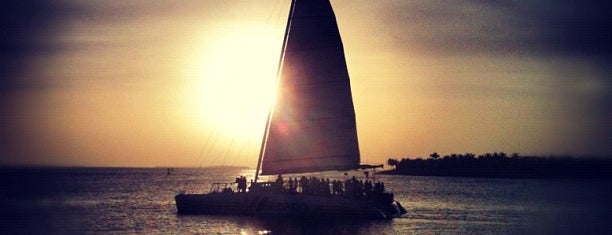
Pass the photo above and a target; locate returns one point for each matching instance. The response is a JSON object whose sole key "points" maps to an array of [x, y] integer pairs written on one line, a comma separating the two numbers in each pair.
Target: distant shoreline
{"points": [[568, 176], [499, 165]]}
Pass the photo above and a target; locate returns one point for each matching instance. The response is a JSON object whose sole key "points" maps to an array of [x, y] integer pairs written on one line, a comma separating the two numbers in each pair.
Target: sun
{"points": [[235, 81]]}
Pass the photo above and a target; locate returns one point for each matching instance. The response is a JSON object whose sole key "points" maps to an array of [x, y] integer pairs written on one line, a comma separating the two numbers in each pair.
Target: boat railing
{"points": [[221, 187], [307, 186]]}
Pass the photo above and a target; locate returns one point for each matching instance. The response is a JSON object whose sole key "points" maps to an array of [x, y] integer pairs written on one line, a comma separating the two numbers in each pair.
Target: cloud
{"points": [[569, 40], [496, 27], [28, 30], [576, 28]]}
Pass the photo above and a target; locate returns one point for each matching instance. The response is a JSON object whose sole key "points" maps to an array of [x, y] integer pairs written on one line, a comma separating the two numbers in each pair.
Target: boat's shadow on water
{"points": [[294, 225]]}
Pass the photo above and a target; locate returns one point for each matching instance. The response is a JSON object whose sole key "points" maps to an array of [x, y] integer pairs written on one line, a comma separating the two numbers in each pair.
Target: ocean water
{"points": [[141, 201]]}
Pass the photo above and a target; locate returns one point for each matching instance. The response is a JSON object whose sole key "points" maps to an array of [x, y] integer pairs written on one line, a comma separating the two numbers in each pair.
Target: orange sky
{"points": [[141, 83]]}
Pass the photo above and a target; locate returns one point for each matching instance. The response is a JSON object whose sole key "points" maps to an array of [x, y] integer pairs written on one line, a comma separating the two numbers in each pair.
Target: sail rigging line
{"points": [[276, 14], [206, 145], [228, 150], [278, 74], [214, 145]]}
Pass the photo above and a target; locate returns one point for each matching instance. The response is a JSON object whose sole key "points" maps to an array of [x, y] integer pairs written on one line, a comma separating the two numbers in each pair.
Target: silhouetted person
{"points": [[291, 185], [367, 186], [304, 184], [278, 184]]}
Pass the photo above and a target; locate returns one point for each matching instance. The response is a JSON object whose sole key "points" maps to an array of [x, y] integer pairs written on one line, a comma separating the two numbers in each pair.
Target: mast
{"points": [[278, 73]]}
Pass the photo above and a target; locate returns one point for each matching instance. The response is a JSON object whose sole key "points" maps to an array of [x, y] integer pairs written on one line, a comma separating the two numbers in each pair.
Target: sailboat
{"points": [[311, 128]]}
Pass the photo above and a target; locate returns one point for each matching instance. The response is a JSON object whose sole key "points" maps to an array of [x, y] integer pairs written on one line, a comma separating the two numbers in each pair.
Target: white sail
{"points": [[312, 127]]}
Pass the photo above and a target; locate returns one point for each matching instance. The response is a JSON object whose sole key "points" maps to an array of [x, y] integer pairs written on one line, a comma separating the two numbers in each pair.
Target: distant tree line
{"points": [[500, 165]]}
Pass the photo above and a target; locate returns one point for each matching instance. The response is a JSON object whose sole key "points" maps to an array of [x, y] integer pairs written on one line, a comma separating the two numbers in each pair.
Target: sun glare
{"points": [[236, 80]]}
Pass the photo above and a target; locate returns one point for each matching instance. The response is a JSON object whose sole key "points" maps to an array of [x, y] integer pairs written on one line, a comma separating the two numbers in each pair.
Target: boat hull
{"points": [[286, 205]]}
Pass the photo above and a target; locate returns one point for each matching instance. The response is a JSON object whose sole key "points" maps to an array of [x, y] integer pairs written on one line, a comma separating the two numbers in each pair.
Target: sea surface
{"points": [[141, 201]]}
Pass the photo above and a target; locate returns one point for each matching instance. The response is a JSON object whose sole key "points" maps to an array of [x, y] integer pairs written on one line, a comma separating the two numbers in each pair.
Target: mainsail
{"points": [[312, 127]]}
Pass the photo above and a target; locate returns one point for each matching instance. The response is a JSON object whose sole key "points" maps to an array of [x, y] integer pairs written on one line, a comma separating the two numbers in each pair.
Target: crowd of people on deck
{"points": [[241, 184], [314, 186]]}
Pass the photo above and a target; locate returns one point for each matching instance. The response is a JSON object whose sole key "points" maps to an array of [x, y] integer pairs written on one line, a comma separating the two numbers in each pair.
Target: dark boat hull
{"points": [[287, 205]]}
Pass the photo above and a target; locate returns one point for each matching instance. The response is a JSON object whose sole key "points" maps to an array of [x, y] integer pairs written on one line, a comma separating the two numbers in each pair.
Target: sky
{"points": [[162, 83]]}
